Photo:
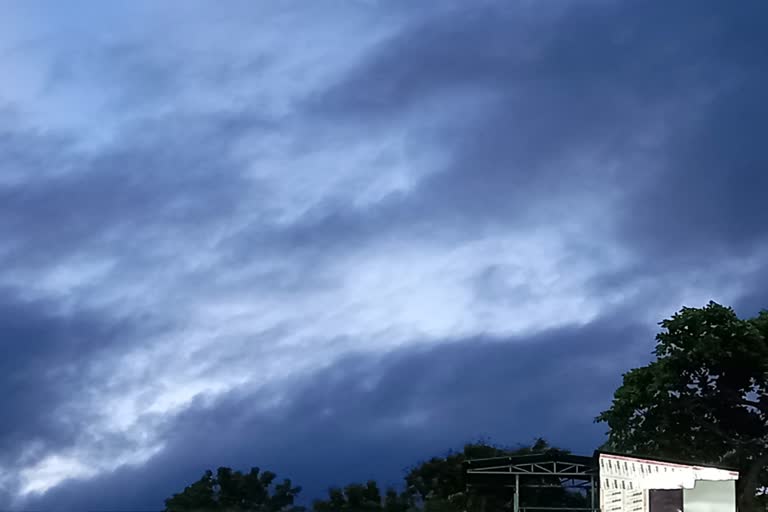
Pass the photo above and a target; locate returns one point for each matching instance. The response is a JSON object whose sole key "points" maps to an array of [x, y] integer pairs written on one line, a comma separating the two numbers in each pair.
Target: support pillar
{"points": [[517, 494]]}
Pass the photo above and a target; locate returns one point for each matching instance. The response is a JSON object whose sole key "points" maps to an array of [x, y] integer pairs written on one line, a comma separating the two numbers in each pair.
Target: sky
{"points": [[331, 239]]}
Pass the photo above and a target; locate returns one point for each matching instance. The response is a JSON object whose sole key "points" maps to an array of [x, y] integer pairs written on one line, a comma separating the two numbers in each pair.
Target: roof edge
{"points": [[667, 460], [536, 456]]}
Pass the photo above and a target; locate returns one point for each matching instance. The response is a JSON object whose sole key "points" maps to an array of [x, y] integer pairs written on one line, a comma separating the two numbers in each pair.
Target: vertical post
{"points": [[592, 491], [469, 497], [517, 494]]}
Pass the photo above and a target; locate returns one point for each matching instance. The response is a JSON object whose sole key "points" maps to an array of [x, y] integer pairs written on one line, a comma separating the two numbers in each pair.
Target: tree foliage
{"points": [[363, 498], [704, 398], [233, 491], [439, 484]]}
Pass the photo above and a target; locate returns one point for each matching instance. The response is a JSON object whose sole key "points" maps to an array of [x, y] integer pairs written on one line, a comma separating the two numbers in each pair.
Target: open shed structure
{"points": [[606, 482], [544, 470]]}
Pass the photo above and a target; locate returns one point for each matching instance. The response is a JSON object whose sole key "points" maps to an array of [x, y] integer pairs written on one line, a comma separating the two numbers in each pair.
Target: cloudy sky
{"points": [[333, 238]]}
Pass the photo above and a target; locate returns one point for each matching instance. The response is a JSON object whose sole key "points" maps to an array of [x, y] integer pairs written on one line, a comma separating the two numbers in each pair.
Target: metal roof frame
{"points": [[566, 466], [564, 470]]}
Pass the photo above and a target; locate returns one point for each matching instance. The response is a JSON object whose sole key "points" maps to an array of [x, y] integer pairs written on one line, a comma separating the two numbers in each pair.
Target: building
{"points": [[633, 484]]}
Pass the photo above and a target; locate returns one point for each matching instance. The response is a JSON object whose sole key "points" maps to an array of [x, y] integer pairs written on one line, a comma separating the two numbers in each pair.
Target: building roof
{"points": [[665, 460]]}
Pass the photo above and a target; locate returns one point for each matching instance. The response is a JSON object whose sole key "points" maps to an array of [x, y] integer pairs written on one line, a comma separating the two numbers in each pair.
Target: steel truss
{"points": [[562, 470]]}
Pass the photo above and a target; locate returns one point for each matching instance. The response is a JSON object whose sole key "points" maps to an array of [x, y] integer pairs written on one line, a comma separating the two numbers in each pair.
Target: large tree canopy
{"points": [[233, 491], [704, 398]]}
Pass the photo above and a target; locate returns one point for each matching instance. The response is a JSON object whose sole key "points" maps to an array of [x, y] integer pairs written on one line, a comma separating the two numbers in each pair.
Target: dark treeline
{"points": [[435, 485]]}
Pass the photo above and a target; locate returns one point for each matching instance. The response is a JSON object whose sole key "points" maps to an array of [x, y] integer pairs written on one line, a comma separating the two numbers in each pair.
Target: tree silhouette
{"points": [[233, 491]]}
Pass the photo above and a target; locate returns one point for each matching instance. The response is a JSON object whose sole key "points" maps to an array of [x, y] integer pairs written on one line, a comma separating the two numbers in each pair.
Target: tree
{"points": [[362, 498], [704, 398], [229, 491], [439, 484]]}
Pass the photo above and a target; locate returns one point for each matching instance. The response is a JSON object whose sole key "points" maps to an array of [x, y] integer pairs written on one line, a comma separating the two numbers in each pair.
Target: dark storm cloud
{"points": [[344, 423], [602, 80], [136, 76], [167, 176], [43, 365], [23, 150], [756, 298], [547, 91]]}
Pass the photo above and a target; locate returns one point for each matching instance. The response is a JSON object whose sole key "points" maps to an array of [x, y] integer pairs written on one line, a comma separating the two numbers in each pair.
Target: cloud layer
{"points": [[309, 237]]}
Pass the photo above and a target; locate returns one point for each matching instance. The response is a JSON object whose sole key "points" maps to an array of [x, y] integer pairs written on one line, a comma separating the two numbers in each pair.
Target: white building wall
{"points": [[709, 496], [625, 481], [618, 500]]}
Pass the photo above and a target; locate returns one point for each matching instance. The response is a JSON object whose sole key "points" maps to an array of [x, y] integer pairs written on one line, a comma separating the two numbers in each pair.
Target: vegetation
{"points": [[363, 498], [233, 491]]}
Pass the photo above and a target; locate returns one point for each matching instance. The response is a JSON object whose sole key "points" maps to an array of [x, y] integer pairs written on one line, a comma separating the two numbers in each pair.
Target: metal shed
{"points": [[537, 470]]}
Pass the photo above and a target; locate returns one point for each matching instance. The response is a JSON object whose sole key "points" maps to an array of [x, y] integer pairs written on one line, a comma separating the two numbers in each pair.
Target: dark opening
{"points": [[666, 500]]}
